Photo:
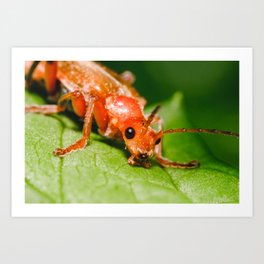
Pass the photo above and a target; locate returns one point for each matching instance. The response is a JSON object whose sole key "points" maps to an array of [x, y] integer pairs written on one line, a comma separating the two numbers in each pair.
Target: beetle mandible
{"points": [[97, 92]]}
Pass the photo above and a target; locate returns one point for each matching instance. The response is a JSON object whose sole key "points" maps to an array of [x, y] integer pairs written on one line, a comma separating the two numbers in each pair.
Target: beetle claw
{"points": [[58, 152]]}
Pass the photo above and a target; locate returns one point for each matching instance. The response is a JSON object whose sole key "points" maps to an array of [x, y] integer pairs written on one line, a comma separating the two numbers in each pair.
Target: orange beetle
{"points": [[100, 93]]}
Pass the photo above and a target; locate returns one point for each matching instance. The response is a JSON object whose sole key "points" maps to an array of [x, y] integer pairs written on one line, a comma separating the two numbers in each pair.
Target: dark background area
{"points": [[211, 95]]}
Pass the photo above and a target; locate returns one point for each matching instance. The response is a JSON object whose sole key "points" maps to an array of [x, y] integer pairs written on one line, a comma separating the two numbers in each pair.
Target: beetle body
{"points": [[99, 93]]}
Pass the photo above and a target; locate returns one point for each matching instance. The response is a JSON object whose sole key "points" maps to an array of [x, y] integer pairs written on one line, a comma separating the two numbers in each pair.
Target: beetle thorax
{"points": [[127, 115], [123, 108]]}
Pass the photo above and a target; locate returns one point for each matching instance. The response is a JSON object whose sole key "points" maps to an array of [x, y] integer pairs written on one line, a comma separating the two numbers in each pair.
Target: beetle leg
{"points": [[128, 77], [131, 161], [30, 71], [81, 143], [166, 162], [174, 164], [46, 70], [76, 97], [78, 102], [51, 76], [44, 109], [101, 116], [48, 109]]}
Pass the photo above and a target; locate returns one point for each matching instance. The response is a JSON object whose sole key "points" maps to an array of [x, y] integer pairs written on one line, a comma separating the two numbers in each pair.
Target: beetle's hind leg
{"points": [[49, 109], [44, 109], [43, 70], [166, 162]]}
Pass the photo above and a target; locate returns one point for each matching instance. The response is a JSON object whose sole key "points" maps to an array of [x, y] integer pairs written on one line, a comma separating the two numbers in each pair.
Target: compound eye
{"points": [[130, 132], [157, 141]]}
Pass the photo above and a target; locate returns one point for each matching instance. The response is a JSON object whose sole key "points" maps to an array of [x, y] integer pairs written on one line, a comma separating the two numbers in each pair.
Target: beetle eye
{"points": [[130, 133], [157, 141]]}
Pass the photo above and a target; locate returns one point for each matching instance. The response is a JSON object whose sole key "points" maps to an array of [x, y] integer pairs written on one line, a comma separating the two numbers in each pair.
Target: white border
{"points": [[21, 209]]}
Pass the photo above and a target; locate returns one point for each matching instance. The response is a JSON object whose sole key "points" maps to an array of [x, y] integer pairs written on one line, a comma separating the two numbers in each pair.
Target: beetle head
{"points": [[140, 137]]}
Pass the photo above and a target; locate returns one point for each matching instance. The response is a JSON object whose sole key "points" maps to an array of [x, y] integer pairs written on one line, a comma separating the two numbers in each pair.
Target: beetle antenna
{"points": [[201, 130], [152, 115]]}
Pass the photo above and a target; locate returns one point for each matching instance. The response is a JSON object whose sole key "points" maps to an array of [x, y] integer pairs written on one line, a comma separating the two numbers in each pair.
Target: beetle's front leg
{"points": [[166, 162], [132, 161], [82, 142], [174, 164]]}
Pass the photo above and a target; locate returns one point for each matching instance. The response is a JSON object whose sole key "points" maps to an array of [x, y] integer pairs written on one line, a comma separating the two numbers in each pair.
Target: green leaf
{"points": [[100, 173]]}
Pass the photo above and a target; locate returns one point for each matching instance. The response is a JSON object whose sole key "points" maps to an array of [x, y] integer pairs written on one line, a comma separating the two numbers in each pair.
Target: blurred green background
{"points": [[211, 95]]}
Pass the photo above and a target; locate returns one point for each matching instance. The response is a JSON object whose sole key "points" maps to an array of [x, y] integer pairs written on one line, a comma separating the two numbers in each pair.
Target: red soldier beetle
{"points": [[99, 93]]}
